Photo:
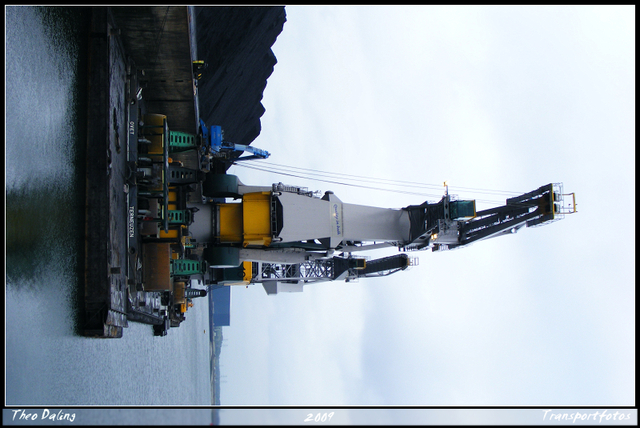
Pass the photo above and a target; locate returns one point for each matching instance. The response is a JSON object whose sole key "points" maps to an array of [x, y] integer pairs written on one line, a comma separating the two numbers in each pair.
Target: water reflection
{"points": [[47, 362], [44, 143]]}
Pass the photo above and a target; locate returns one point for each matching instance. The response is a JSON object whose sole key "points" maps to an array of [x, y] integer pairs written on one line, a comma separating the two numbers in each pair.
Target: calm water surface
{"points": [[47, 362]]}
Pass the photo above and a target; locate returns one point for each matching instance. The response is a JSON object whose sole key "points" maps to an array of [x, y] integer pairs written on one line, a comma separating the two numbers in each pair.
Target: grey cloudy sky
{"points": [[505, 98]]}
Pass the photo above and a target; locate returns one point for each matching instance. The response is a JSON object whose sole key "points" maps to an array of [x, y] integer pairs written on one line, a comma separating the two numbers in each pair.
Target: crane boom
{"points": [[443, 225], [286, 234]]}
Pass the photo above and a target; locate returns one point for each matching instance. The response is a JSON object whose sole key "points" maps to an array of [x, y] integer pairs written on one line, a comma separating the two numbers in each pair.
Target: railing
{"points": [[561, 205], [280, 187]]}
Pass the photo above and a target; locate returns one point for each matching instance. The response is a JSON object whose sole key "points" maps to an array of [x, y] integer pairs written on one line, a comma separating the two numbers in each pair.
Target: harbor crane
{"points": [[194, 221], [279, 234]]}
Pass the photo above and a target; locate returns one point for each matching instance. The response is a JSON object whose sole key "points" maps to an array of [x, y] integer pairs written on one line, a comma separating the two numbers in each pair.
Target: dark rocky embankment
{"points": [[236, 42]]}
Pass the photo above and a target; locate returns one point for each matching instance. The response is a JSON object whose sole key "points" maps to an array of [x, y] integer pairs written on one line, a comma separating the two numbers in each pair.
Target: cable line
{"points": [[392, 182], [354, 177], [333, 181]]}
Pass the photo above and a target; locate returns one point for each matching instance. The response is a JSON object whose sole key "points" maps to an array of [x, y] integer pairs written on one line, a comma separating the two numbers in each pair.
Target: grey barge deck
{"points": [[130, 48]]}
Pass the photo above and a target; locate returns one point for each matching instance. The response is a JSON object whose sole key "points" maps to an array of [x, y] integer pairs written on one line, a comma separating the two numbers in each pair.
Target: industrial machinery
{"points": [[287, 235], [215, 145], [189, 222]]}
